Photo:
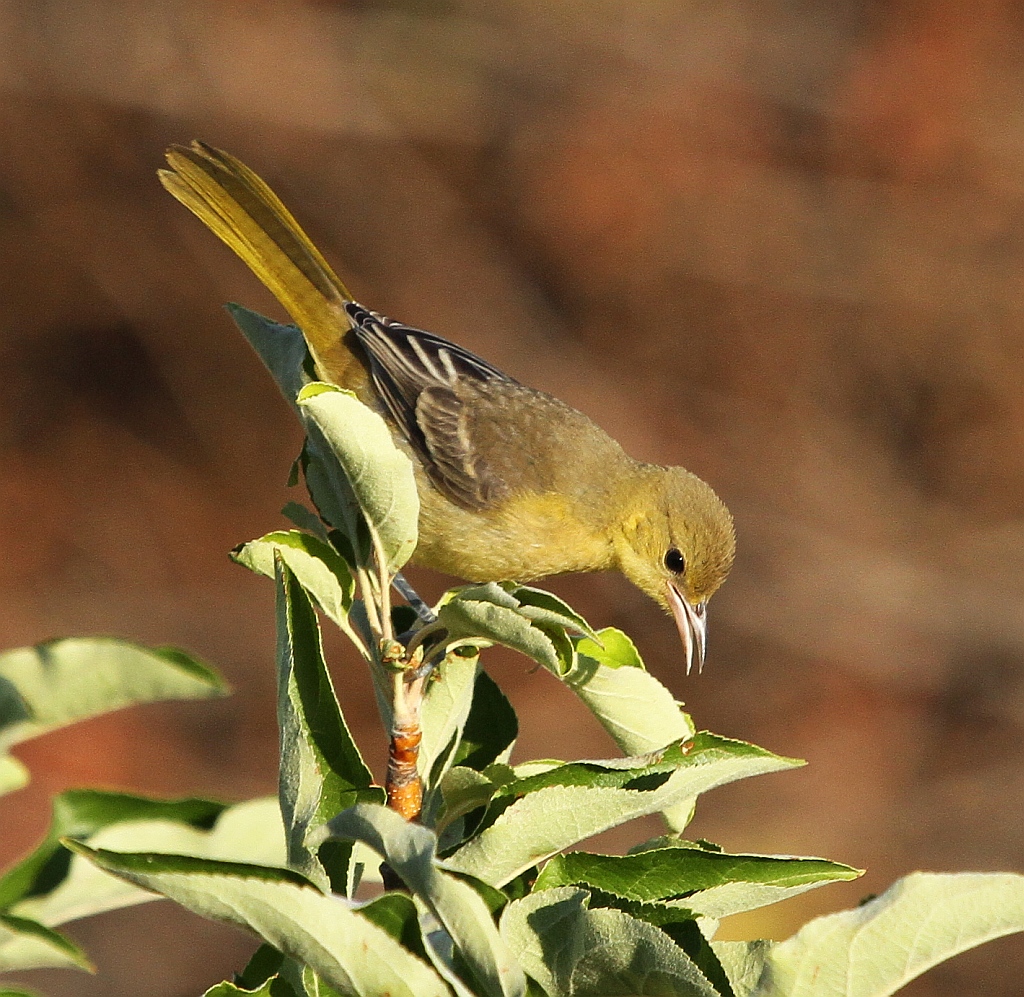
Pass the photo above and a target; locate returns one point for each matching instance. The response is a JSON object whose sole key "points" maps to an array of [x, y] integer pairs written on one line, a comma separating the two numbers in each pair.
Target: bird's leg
{"points": [[415, 638], [409, 594]]}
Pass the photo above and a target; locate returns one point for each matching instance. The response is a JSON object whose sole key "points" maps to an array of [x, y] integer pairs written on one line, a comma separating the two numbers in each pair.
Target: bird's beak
{"points": [[692, 622]]}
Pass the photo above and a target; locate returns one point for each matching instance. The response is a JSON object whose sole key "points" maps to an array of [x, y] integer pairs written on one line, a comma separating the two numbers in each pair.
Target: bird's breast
{"points": [[528, 536]]}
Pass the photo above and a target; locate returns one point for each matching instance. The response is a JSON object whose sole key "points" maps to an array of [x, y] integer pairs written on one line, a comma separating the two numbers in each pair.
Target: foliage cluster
{"points": [[485, 895]]}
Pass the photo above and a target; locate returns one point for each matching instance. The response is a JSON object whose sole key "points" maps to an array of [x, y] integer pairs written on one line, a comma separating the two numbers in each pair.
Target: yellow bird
{"points": [[513, 483]]}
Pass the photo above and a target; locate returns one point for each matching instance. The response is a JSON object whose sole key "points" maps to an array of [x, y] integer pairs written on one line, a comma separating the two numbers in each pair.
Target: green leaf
{"points": [[479, 723], [613, 649], [568, 803], [274, 987], [314, 985], [54, 684], [396, 913], [526, 619], [334, 499], [304, 519], [381, 475], [281, 348], [82, 813], [410, 850], [445, 709], [638, 712], [487, 614], [545, 933], [443, 956], [623, 955], [291, 978], [639, 772], [319, 568], [542, 606], [491, 728], [743, 962], [569, 949], [463, 790], [322, 771], [709, 883], [13, 775], [27, 944], [18, 992], [875, 949], [53, 887], [347, 950], [265, 963], [607, 674], [687, 933]]}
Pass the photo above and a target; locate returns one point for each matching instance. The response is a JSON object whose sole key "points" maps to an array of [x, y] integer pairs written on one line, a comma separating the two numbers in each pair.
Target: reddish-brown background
{"points": [[779, 243]]}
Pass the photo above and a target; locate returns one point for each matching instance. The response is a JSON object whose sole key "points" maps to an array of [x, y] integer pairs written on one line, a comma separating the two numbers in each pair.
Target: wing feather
{"points": [[427, 384]]}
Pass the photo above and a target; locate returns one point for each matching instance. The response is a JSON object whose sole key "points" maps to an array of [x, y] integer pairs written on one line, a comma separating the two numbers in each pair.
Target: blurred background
{"points": [[779, 243]]}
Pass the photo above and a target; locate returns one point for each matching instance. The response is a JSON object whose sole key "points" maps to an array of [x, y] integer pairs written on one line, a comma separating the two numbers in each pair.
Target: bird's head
{"points": [[677, 544]]}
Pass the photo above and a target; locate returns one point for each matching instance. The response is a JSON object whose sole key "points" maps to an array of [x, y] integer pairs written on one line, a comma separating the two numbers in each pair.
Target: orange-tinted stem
{"points": [[404, 786]]}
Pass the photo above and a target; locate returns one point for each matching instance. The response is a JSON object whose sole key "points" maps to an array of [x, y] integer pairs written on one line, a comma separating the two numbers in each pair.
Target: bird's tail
{"points": [[236, 205]]}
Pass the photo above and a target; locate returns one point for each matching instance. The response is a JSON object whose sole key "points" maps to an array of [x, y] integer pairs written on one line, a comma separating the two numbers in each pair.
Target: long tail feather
{"points": [[238, 207]]}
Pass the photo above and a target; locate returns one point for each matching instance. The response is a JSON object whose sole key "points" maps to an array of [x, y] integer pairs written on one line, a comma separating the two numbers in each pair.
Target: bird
{"points": [[513, 483]]}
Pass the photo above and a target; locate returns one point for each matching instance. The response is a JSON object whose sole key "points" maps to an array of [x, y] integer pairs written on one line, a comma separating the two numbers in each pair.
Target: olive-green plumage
{"points": [[513, 483]]}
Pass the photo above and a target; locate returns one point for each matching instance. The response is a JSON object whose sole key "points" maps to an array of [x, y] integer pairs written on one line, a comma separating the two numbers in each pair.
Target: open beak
{"points": [[692, 622]]}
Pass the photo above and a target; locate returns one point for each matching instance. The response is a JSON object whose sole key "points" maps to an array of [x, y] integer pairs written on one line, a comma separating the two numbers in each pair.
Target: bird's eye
{"points": [[674, 561]]}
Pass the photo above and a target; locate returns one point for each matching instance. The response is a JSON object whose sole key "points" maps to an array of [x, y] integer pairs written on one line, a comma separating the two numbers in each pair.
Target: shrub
{"points": [[479, 892]]}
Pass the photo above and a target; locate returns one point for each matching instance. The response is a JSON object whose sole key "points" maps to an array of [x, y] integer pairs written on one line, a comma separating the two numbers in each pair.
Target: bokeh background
{"points": [[779, 243]]}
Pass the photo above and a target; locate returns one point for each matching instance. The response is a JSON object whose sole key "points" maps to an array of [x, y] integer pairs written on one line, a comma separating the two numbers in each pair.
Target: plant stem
{"points": [[404, 786], [366, 589], [384, 576]]}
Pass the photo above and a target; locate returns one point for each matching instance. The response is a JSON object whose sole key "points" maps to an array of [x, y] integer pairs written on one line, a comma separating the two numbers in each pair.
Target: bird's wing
{"points": [[429, 386]]}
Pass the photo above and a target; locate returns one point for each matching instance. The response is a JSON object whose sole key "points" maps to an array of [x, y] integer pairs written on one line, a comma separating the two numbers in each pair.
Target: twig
{"points": [[369, 595], [384, 581], [404, 786]]}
